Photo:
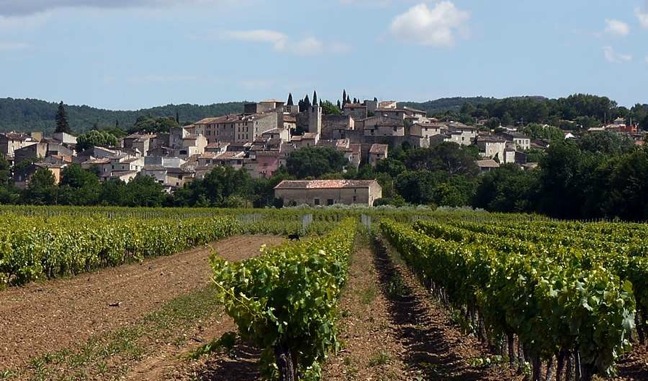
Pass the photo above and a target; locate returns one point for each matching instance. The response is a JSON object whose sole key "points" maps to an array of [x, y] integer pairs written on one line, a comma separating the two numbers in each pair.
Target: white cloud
{"points": [[616, 28], [612, 56], [434, 26], [282, 43], [642, 15], [28, 7], [277, 39], [9, 45]]}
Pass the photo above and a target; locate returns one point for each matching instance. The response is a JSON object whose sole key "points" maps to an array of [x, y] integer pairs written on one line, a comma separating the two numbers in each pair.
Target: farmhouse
{"points": [[328, 192]]}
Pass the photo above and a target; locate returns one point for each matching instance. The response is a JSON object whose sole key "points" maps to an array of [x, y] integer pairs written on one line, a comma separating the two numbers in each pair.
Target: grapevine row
{"points": [[285, 299], [40, 248], [551, 310]]}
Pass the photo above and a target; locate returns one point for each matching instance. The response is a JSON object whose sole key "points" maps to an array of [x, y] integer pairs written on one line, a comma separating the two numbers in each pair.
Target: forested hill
{"points": [[447, 104], [36, 115], [574, 111]]}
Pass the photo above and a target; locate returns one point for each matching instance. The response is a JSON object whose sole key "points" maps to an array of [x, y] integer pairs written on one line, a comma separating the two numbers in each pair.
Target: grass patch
{"points": [[368, 295], [380, 358], [107, 355]]}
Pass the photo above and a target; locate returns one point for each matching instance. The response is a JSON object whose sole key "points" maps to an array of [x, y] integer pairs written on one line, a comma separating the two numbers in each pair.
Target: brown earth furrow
{"points": [[45, 317]]}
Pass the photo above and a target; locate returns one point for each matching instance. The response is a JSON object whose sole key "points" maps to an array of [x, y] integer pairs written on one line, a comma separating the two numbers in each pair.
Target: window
{"points": [[329, 201], [316, 201], [355, 198]]}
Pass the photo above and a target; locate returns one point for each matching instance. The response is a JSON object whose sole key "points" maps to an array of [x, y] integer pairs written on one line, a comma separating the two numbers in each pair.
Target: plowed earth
{"points": [[50, 316]]}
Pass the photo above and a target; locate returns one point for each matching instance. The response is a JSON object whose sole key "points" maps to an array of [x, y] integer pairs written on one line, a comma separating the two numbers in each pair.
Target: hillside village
{"points": [[260, 139]]}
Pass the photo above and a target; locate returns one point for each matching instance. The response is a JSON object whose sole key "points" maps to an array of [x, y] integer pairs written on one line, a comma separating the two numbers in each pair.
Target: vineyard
{"points": [[505, 296]]}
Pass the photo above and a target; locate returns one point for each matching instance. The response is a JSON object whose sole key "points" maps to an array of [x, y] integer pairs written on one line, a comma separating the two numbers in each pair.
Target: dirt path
{"points": [[371, 349], [42, 318], [426, 343]]}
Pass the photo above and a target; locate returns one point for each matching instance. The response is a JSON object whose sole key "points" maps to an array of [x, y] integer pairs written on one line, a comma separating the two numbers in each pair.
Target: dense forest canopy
{"points": [[573, 112], [36, 115]]}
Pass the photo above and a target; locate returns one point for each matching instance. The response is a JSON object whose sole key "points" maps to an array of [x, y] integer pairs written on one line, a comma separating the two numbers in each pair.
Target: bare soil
{"points": [[371, 348], [390, 329], [434, 347], [45, 317]]}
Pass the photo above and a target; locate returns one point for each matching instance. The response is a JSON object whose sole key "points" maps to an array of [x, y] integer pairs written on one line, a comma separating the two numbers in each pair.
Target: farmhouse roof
{"points": [[324, 184]]}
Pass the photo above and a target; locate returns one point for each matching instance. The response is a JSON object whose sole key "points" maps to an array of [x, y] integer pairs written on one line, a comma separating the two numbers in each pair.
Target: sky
{"points": [[132, 54]]}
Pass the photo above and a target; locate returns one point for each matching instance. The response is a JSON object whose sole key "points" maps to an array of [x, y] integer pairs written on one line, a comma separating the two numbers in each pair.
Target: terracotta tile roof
{"points": [[379, 149], [324, 184], [487, 163]]}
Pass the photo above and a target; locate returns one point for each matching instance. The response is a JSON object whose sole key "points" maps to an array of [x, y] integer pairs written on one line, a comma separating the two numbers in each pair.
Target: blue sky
{"points": [[131, 54]]}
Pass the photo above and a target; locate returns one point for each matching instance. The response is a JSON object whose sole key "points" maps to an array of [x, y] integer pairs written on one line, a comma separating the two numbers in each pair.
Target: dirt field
{"points": [[45, 317]]}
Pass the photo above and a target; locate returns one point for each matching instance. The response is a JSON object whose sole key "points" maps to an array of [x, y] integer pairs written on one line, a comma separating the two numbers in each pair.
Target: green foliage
{"points": [[507, 189], [315, 162], [62, 124], [545, 132], [41, 189], [95, 138], [550, 298], [223, 186], [35, 115], [78, 186], [606, 142], [38, 247], [329, 108], [285, 300], [5, 171], [154, 125]]}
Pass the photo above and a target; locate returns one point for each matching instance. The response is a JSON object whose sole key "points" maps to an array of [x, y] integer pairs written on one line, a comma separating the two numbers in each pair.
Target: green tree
{"points": [[315, 162], [507, 189], [95, 138], [143, 191], [329, 108], [606, 142], [61, 118], [41, 189], [290, 100], [153, 125], [5, 171], [113, 192], [78, 186]]}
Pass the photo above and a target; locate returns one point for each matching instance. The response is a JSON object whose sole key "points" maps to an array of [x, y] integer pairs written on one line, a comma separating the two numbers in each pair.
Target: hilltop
{"points": [[36, 115]]}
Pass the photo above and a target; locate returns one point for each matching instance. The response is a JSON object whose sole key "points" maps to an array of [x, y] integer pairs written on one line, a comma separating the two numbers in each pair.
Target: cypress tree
{"points": [[314, 97], [62, 124], [290, 100], [307, 102], [344, 96]]}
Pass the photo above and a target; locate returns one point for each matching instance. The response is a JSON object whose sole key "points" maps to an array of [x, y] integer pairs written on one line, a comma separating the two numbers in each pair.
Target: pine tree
{"points": [[290, 100], [62, 124], [314, 97]]}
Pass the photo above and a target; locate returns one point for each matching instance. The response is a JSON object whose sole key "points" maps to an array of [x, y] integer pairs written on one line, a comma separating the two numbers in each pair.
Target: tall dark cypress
{"points": [[62, 124]]}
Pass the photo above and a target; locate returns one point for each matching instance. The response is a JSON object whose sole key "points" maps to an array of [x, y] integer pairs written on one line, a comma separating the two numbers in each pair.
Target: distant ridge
{"points": [[36, 115]]}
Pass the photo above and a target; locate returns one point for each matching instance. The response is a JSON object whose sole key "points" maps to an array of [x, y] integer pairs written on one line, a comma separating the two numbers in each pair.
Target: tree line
{"points": [[26, 115], [600, 175]]}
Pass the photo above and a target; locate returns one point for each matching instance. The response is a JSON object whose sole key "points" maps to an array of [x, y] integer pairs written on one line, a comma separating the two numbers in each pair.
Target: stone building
{"points": [[328, 192]]}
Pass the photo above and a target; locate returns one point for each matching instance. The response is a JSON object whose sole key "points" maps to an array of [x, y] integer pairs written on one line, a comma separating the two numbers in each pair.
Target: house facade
{"points": [[328, 192]]}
